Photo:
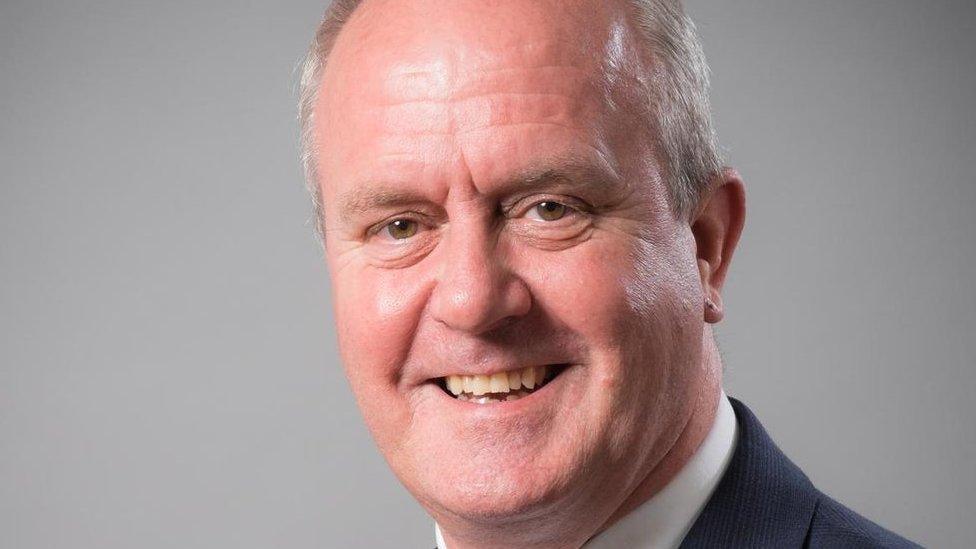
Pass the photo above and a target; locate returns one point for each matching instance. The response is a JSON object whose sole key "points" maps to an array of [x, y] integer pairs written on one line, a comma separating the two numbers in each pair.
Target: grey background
{"points": [[168, 375]]}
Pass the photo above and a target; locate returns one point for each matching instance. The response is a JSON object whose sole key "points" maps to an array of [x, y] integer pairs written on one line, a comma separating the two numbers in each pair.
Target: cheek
{"points": [[377, 312], [596, 290], [631, 303]]}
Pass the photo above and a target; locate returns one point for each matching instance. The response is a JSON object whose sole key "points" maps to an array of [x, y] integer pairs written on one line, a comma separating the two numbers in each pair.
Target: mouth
{"points": [[500, 386]]}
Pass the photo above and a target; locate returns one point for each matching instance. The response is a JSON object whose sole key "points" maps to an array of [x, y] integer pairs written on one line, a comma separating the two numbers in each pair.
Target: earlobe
{"points": [[711, 298], [713, 312], [717, 226]]}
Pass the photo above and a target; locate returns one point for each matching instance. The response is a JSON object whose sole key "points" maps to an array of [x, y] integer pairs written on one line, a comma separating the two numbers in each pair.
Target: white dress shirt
{"points": [[663, 521]]}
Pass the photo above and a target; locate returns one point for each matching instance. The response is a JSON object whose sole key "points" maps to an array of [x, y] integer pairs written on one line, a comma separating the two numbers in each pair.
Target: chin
{"points": [[496, 482], [500, 496]]}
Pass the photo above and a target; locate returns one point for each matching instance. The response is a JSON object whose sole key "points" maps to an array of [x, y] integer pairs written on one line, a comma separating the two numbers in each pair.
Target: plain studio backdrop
{"points": [[168, 371]]}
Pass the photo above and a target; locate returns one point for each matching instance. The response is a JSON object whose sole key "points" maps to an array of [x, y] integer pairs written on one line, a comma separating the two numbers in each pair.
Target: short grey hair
{"points": [[678, 101]]}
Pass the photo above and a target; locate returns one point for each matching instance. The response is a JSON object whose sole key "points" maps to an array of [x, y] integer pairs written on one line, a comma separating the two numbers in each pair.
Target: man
{"points": [[527, 229]]}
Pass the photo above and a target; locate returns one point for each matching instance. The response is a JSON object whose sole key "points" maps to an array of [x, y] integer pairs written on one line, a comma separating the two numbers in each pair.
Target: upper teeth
{"points": [[501, 382]]}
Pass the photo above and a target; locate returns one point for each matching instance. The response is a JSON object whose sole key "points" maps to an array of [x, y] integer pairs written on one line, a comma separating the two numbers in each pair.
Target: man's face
{"points": [[494, 204]]}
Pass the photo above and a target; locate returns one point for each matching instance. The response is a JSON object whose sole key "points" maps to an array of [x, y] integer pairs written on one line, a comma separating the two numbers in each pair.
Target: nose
{"points": [[476, 291]]}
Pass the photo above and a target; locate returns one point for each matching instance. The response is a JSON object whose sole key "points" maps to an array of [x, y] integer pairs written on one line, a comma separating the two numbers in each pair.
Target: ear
{"points": [[717, 225]]}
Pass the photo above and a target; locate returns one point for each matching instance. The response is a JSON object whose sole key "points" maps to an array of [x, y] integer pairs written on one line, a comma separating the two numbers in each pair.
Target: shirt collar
{"points": [[663, 521]]}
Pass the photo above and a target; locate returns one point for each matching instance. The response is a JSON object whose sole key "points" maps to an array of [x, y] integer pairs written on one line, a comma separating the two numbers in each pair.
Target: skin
{"points": [[455, 119]]}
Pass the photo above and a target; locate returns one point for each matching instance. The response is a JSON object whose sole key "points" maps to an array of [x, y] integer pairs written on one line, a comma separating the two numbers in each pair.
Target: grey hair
{"points": [[336, 16], [679, 99]]}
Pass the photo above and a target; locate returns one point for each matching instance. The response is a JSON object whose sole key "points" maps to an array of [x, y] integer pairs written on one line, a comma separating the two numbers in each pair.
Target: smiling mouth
{"points": [[501, 386]]}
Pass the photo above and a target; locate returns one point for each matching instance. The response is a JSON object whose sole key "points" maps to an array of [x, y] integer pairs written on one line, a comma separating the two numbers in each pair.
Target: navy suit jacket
{"points": [[764, 500]]}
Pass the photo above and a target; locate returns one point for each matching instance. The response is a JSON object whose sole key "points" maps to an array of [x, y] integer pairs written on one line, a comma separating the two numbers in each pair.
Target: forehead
{"points": [[388, 44], [417, 89]]}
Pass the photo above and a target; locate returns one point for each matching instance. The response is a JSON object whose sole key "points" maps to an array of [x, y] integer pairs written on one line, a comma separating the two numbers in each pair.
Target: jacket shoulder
{"points": [[834, 525]]}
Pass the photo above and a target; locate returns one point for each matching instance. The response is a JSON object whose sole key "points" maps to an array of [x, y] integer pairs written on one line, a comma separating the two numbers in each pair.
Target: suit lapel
{"points": [[763, 500]]}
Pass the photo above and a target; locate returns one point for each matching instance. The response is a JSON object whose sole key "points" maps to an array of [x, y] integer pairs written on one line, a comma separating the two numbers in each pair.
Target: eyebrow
{"points": [[369, 198], [576, 172], [573, 171]]}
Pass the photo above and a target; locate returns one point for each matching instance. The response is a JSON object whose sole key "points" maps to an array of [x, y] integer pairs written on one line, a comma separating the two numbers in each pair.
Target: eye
{"points": [[550, 210], [400, 241], [401, 229]]}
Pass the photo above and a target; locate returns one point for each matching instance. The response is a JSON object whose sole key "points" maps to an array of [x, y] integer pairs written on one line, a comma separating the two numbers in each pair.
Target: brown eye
{"points": [[401, 229], [550, 211]]}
